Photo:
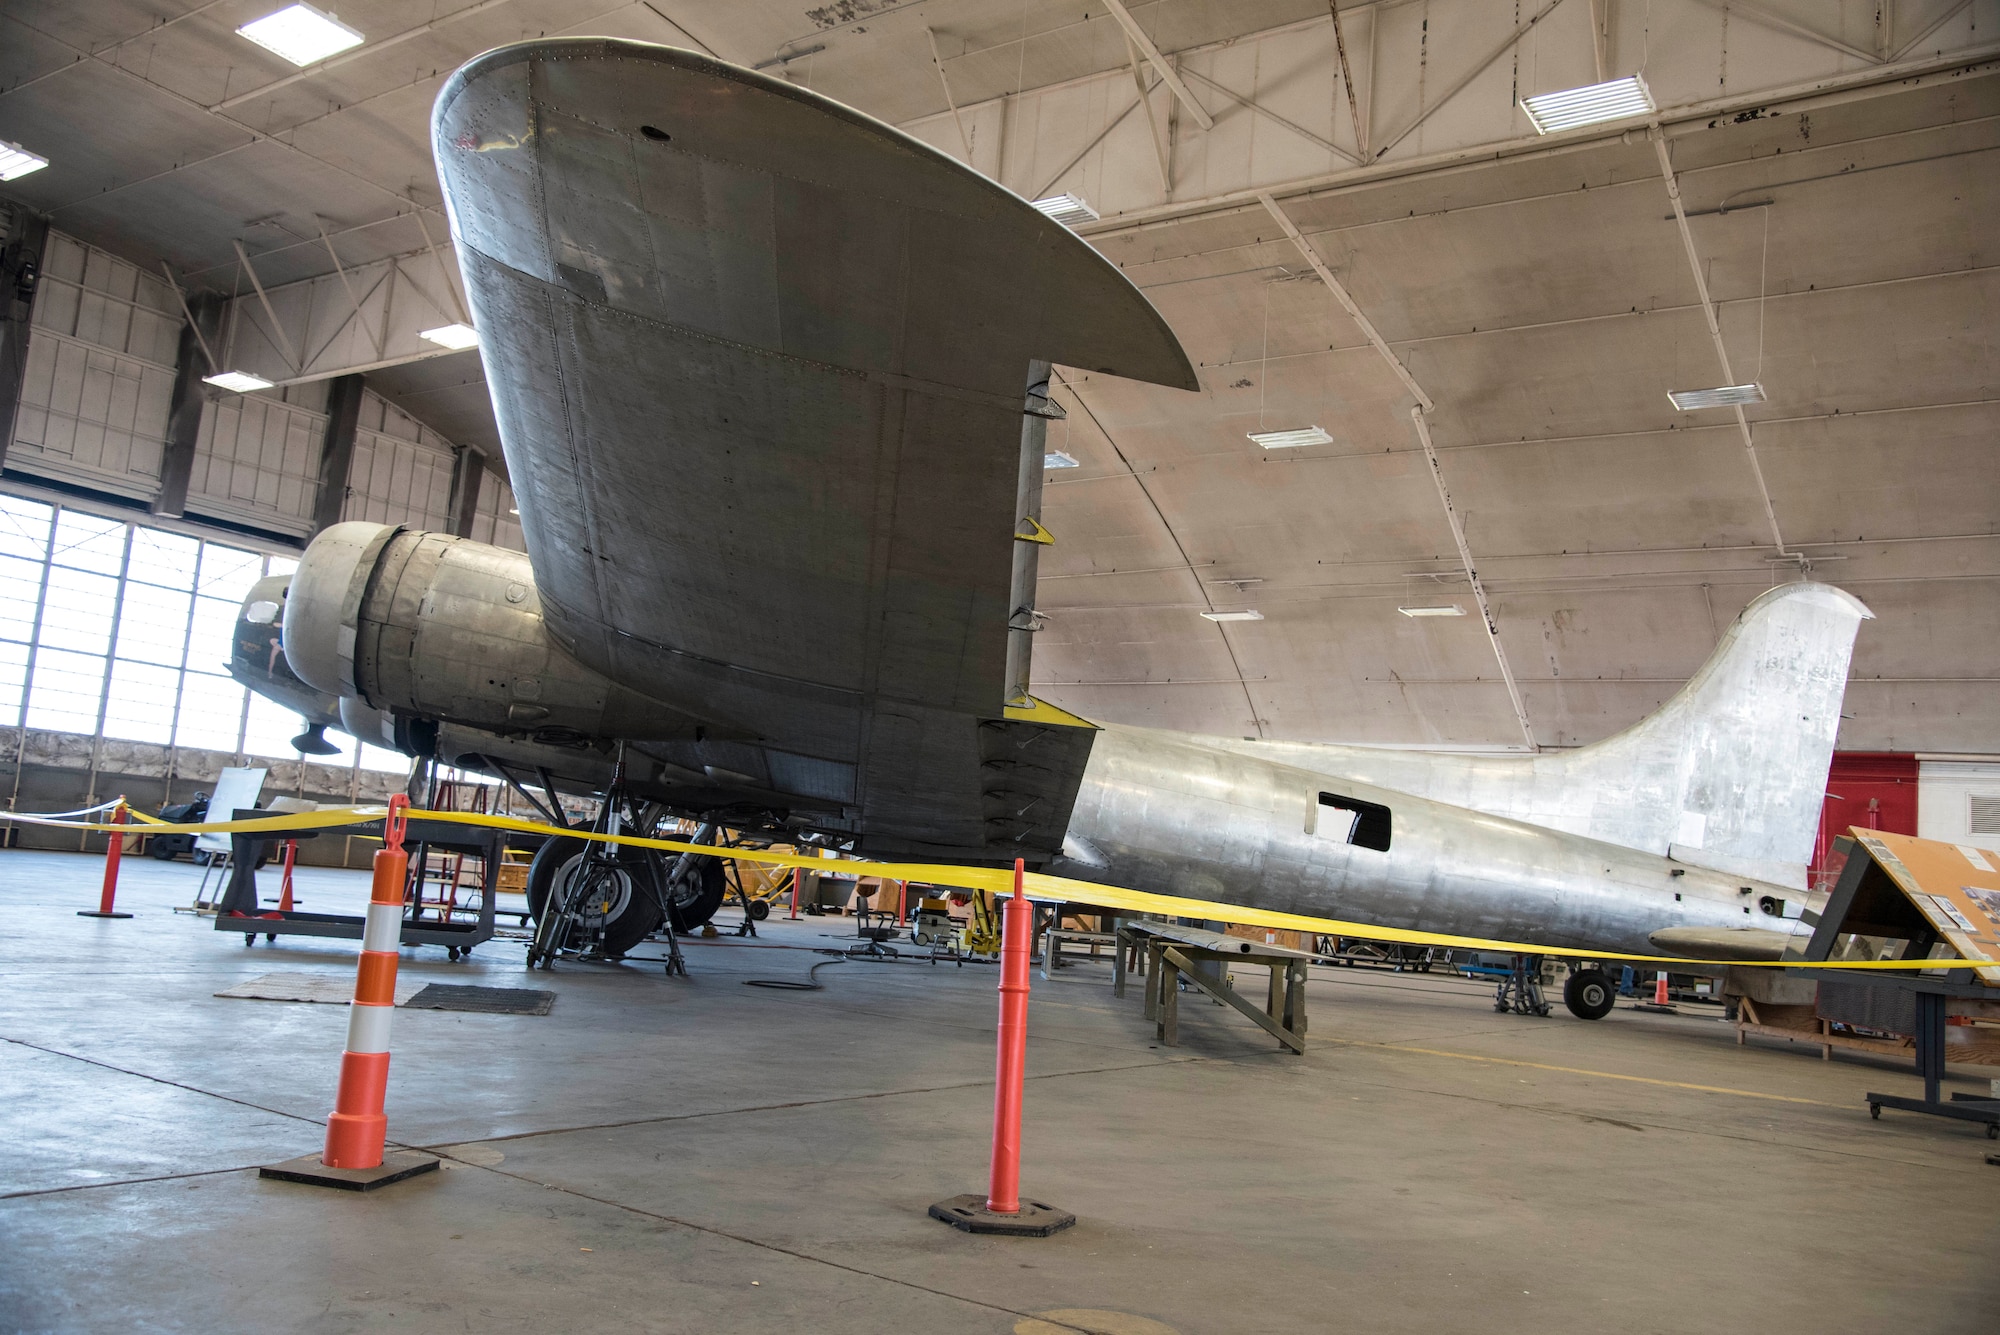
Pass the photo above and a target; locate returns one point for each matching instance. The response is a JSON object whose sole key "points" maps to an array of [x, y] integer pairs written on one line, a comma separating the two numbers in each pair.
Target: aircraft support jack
{"points": [[1520, 991]]}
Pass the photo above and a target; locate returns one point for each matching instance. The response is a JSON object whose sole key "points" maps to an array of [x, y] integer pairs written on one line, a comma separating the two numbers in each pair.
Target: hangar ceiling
{"points": [[1837, 164]]}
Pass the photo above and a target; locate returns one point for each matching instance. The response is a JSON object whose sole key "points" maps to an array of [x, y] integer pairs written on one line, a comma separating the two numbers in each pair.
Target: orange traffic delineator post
{"points": [[285, 881], [1001, 1209], [358, 1128], [1660, 997], [107, 899], [796, 874]]}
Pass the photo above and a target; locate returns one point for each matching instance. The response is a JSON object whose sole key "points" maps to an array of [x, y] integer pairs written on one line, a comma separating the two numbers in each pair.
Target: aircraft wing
{"points": [[758, 363]]}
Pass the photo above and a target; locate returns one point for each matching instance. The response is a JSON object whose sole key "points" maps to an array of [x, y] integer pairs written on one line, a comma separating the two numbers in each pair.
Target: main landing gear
{"points": [[1589, 994]]}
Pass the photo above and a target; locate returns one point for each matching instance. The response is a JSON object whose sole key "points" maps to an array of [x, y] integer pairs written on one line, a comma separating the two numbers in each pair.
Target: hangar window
{"points": [[1349, 820], [115, 630]]}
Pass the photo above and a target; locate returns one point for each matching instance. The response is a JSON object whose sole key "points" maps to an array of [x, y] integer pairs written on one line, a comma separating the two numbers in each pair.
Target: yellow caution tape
{"points": [[992, 880]]}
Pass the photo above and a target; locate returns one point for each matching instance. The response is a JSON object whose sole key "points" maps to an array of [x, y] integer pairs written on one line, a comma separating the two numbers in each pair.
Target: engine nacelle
{"points": [[426, 626]]}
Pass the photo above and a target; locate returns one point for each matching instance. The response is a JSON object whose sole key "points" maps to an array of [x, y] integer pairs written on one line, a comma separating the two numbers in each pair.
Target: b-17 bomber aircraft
{"points": [[772, 384]]}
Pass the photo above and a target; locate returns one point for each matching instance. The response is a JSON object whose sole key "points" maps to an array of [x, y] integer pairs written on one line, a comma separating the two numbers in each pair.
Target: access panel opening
{"points": [[1349, 820]]}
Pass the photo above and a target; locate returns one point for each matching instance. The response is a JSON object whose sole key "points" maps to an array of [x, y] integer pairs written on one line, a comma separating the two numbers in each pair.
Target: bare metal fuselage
{"points": [[1182, 817]]}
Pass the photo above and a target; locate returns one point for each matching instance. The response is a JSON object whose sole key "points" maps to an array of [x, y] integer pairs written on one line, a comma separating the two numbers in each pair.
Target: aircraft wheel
{"points": [[1589, 994], [699, 895], [619, 902]]}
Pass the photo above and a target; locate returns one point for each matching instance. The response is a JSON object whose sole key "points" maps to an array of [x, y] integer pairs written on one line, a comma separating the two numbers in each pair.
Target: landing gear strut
{"points": [[594, 899]]}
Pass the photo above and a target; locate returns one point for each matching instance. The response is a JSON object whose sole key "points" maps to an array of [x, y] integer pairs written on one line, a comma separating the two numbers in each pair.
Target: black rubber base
{"points": [[99, 913], [969, 1214], [396, 1165]]}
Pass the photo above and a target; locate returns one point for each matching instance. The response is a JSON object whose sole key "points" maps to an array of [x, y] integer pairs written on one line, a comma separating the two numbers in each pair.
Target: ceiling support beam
{"points": [[1600, 37], [1721, 350], [1779, 23], [1272, 116], [358, 53], [1466, 79], [1347, 77], [1419, 416], [1340, 295], [937, 63], [1159, 62], [1160, 146], [345, 284], [256, 136], [449, 272], [1932, 27], [1472, 577], [1084, 152], [264, 300], [1690, 119]]}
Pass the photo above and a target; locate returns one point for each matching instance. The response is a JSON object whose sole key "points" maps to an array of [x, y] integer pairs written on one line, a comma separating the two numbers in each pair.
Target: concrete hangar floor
{"points": [[696, 1155]]}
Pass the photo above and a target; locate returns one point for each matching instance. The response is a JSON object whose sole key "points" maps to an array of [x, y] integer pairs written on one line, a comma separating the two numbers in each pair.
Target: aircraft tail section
{"points": [[1731, 772]]}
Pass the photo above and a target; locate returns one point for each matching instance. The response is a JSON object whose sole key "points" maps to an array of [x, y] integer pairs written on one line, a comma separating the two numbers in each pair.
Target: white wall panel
{"points": [[100, 373], [1959, 801], [257, 459], [495, 521], [402, 470]]}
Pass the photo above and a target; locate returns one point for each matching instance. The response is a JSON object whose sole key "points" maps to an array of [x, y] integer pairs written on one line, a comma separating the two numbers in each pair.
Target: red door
{"points": [[1875, 790]]}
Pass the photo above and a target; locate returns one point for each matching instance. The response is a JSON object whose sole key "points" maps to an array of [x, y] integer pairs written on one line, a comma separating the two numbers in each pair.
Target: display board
{"points": [[236, 788], [1955, 886]]}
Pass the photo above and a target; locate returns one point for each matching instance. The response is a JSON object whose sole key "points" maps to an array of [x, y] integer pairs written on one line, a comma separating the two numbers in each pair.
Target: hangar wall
{"points": [[97, 394]]}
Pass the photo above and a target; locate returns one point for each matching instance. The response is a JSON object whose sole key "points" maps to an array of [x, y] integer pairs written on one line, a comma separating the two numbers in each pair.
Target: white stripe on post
{"points": [[368, 1027], [384, 931]]}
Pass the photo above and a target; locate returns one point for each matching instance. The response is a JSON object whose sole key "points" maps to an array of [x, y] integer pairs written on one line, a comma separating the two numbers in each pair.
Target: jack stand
{"points": [[1521, 990], [748, 927], [676, 963]]}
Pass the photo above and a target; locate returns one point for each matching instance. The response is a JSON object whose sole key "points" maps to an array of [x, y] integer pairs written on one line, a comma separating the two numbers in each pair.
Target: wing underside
{"points": [[759, 366]]}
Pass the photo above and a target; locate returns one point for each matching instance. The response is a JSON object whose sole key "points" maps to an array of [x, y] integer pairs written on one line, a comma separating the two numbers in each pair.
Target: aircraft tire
{"points": [[635, 912], [1589, 994], [698, 897]]}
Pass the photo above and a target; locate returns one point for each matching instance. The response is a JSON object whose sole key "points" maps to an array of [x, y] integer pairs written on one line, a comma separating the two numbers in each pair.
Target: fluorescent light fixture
{"points": [[1067, 210], [16, 161], [1613, 101], [237, 382], [1725, 396], [1057, 459], [301, 34], [513, 509], [1448, 610], [457, 337], [1291, 440], [1234, 616]]}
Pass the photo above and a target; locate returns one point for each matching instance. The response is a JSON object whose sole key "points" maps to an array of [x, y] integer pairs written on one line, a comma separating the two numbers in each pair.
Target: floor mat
{"points": [[481, 1000], [334, 989]]}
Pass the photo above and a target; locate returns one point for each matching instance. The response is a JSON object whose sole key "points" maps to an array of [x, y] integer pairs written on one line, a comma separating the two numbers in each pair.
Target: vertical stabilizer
{"points": [[1731, 772]]}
